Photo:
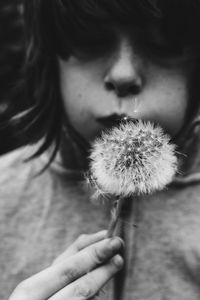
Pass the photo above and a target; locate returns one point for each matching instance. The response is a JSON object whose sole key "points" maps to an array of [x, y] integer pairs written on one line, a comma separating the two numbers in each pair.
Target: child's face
{"points": [[126, 79]]}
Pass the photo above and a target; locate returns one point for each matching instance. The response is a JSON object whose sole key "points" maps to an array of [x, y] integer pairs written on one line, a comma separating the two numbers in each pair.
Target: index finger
{"points": [[82, 242], [53, 279]]}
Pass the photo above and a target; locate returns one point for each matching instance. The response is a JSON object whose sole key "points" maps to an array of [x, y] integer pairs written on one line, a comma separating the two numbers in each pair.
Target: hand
{"points": [[77, 274]]}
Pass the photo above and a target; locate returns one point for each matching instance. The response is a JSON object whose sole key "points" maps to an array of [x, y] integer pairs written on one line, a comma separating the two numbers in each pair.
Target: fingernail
{"points": [[118, 261], [116, 243]]}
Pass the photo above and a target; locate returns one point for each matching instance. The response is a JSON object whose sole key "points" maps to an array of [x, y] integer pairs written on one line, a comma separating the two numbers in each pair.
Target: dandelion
{"points": [[132, 159]]}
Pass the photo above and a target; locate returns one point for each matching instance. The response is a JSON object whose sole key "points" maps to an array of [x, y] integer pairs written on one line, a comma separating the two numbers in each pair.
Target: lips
{"points": [[113, 120]]}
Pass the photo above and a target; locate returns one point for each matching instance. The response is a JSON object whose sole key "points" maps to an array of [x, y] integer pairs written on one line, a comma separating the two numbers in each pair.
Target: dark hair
{"points": [[11, 59], [61, 27]]}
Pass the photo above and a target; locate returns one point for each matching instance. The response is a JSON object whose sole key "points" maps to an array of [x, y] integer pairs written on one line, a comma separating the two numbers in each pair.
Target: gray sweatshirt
{"points": [[40, 216]]}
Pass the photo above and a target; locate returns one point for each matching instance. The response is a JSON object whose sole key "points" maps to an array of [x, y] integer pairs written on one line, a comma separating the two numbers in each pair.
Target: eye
{"points": [[89, 50], [94, 45], [163, 50], [156, 46], [163, 54]]}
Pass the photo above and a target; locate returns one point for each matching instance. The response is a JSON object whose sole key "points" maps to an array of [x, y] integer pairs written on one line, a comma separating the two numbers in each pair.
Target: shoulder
{"points": [[13, 158], [20, 177], [13, 164]]}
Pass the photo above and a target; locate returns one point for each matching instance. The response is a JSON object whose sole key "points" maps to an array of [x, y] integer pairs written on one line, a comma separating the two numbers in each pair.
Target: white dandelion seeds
{"points": [[132, 159]]}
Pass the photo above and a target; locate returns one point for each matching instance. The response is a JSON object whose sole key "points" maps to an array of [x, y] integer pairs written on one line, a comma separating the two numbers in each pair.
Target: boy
{"points": [[88, 62]]}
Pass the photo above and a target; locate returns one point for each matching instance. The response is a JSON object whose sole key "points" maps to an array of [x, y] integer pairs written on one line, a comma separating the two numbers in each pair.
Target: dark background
{"points": [[11, 60]]}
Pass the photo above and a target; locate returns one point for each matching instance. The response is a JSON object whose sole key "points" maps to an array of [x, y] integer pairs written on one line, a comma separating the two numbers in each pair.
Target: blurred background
{"points": [[11, 60]]}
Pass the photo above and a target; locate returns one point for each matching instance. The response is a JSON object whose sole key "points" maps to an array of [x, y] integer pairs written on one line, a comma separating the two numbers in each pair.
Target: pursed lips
{"points": [[113, 120]]}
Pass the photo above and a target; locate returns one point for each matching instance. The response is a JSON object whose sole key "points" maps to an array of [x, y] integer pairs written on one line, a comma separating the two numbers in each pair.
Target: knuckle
{"points": [[80, 240], [69, 274], [100, 255], [84, 290]]}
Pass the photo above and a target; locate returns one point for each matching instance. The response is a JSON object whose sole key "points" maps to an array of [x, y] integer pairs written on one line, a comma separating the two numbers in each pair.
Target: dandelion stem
{"points": [[115, 217]]}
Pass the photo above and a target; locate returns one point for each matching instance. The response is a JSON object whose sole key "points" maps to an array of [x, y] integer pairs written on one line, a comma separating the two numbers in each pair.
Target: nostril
{"points": [[127, 90], [109, 86], [133, 89], [123, 89]]}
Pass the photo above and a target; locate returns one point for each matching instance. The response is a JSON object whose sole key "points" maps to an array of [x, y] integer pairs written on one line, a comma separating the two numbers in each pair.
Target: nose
{"points": [[124, 75]]}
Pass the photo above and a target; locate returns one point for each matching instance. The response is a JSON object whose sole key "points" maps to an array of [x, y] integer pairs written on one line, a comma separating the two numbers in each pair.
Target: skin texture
{"points": [[98, 86]]}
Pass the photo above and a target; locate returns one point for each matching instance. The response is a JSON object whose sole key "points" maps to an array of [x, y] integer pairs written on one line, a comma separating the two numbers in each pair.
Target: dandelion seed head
{"points": [[133, 158]]}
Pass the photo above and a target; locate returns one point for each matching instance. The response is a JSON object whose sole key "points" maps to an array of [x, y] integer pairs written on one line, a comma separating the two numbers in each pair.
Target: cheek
{"points": [[78, 85], [81, 96], [74, 89], [173, 116], [167, 100]]}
